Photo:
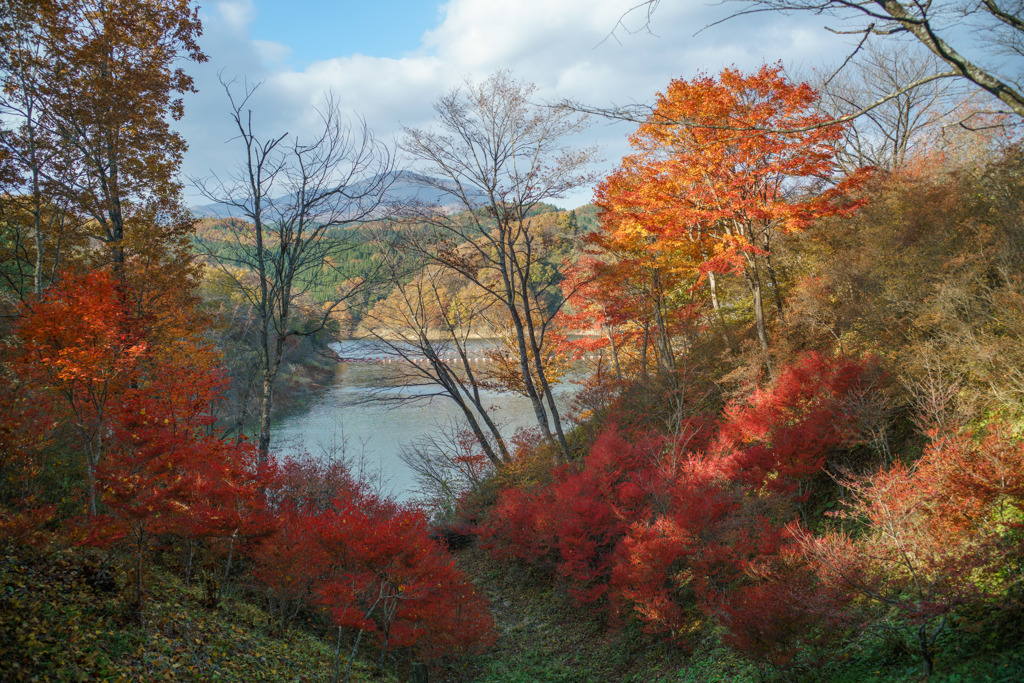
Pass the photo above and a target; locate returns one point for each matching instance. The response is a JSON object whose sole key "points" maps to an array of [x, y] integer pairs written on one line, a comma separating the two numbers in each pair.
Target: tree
{"points": [[496, 156], [164, 472], [32, 218], [448, 464], [298, 199], [930, 24], [892, 134], [935, 538], [640, 282], [92, 87], [79, 341], [427, 322], [716, 179]]}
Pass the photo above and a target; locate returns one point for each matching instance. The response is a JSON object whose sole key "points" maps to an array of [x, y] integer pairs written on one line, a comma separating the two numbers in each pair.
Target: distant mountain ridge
{"points": [[407, 187]]}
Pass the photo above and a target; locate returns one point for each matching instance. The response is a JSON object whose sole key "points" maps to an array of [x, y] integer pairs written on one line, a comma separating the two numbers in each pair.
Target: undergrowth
{"points": [[61, 620]]}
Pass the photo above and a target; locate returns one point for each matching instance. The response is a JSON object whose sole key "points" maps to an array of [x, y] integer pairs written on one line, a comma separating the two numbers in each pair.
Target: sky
{"points": [[388, 61]]}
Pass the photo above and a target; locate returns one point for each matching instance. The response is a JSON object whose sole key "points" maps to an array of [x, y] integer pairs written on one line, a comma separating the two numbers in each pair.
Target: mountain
{"points": [[406, 187]]}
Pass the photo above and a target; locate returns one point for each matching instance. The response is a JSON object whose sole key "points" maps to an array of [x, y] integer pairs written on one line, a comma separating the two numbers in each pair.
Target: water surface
{"points": [[371, 414]]}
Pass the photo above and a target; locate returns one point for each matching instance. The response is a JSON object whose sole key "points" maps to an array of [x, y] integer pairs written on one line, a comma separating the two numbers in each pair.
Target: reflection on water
{"points": [[360, 410]]}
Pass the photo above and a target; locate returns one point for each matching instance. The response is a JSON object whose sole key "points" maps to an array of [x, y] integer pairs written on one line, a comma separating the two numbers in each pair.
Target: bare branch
{"points": [[298, 200], [922, 20]]}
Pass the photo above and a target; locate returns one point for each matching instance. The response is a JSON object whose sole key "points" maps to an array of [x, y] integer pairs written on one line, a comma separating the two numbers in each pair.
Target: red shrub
{"points": [[373, 567], [781, 608], [936, 537], [782, 433], [574, 523]]}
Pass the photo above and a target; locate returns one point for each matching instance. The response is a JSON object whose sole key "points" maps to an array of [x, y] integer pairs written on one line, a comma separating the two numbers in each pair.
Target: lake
{"points": [[361, 413]]}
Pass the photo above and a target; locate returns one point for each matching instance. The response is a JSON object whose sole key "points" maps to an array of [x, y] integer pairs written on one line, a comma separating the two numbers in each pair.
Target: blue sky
{"points": [[322, 29]]}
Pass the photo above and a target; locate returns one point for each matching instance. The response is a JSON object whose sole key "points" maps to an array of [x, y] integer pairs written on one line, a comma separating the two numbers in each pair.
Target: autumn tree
{"points": [[297, 199], [396, 583], [908, 274], [639, 286], [80, 343], [724, 166], [164, 472], [936, 538], [32, 218], [92, 89], [495, 156]]}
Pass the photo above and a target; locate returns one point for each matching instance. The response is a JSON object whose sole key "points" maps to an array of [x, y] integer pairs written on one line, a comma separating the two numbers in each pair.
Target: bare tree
{"points": [[426, 323], [998, 24], [298, 200], [495, 156], [445, 467], [884, 136]]}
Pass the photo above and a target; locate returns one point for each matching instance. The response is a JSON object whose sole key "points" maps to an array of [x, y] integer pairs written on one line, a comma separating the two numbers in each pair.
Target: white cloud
{"points": [[237, 14], [271, 53], [565, 47]]}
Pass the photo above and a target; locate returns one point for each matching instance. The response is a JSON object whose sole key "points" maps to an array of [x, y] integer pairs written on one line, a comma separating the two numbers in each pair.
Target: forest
{"points": [[792, 319]]}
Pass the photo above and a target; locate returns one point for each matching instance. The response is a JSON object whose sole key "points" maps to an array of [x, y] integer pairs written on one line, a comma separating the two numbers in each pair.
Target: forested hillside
{"points": [[794, 333]]}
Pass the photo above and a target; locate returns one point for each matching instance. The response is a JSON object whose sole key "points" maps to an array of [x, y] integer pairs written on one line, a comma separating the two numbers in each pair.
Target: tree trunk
{"points": [[418, 673], [716, 305], [615, 353], [266, 402], [337, 657], [663, 340], [91, 460], [140, 534], [352, 655], [188, 564], [474, 425], [771, 276], [457, 391], [538, 361], [531, 389], [924, 650], [754, 281], [643, 353], [271, 366], [713, 286], [37, 220]]}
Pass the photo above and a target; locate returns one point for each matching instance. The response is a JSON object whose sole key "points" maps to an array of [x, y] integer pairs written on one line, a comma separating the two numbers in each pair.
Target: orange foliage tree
{"points": [[98, 83], [79, 343], [86, 350]]}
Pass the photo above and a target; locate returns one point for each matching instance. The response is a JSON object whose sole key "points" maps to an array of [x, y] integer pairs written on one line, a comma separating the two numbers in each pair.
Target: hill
{"points": [[406, 187]]}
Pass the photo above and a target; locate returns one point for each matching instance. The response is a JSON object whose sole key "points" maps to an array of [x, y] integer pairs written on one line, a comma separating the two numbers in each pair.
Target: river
{"points": [[371, 433]]}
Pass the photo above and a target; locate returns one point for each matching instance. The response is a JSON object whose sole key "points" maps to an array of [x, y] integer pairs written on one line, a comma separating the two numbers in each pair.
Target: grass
{"points": [[544, 636]]}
